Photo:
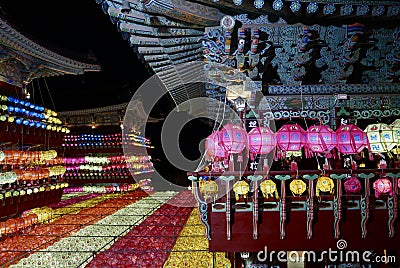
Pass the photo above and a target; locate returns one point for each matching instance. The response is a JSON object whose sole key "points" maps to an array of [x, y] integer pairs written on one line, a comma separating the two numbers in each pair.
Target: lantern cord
{"points": [[305, 122], [48, 90], [40, 92]]}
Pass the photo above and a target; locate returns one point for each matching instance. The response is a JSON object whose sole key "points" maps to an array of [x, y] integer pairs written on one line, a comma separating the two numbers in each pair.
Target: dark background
{"points": [[78, 29]]}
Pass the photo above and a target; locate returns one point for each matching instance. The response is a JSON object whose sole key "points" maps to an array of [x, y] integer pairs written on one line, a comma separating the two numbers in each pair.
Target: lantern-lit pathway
{"points": [[112, 230]]}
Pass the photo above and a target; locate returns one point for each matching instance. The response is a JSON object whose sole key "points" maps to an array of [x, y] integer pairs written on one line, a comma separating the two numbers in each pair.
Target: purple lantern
{"points": [[351, 139], [291, 137], [213, 148], [321, 139], [233, 138], [261, 140]]}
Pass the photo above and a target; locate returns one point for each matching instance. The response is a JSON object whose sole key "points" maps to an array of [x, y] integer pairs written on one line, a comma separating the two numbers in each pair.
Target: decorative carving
{"points": [[310, 209], [364, 202], [203, 209], [337, 208], [282, 209]]}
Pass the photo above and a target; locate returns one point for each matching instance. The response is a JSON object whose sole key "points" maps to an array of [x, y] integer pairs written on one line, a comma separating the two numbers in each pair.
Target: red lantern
{"points": [[321, 139], [351, 139], [261, 140], [382, 186], [352, 185], [233, 138], [291, 137]]}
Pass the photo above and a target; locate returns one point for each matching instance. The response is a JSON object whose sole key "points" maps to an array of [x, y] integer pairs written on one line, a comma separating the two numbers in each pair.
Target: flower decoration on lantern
{"points": [[321, 139], [291, 138]]}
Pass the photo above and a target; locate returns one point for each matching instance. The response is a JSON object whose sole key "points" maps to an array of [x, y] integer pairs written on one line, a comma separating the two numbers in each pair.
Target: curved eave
{"points": [[12, 39]]}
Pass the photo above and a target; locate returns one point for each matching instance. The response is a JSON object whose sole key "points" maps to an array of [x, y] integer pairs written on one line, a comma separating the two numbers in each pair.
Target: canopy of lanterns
{"points": [[21, 112], [292, 138], [102, 140], [115, 166]]}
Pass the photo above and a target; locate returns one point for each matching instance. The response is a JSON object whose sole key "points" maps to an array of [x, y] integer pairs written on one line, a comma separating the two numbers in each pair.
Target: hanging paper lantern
{"points": [[261, 140], [396, 131], [241, 188], [321, 139], [268, 188], [351, 139], [382, 186], [209, 189], [325, 184], [233, 138], [297, 187], [380, 137], [291, 137], [213, 147], [352, 185]]}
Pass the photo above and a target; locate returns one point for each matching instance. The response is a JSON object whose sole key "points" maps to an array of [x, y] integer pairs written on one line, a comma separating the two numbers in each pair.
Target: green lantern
{"points": [[396, 131], [381, 138]]}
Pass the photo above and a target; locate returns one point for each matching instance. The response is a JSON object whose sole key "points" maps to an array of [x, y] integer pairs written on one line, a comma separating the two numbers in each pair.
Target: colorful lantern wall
{"points": [[351, 139]]}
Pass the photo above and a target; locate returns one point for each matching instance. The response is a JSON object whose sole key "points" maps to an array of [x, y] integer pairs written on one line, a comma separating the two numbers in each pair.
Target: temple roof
{"points": [[305, 42], [24, 60]]}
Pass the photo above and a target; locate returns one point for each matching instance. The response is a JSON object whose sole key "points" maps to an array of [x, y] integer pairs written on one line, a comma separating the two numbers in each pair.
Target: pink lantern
{"points": [[382, 186], [233, 138], [351, 139], [213, 147], [261, 140], [321, 139], [291, 137], [352, 185]]}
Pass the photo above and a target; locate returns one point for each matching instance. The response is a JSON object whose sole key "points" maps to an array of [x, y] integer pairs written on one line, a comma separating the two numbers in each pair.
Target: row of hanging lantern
{"points": [[318, 139]]}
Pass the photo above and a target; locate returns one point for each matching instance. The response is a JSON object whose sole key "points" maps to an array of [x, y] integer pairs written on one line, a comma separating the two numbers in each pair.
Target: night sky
{"points": [[80, 30]]}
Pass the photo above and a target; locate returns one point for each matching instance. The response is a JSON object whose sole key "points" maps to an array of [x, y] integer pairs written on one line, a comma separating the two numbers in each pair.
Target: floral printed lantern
{"points": [[213, 148], [291, 137], [380, 137], [351, 139], [352, 185], [261, 140], [233, 138], [382, 186], [321, 139]]}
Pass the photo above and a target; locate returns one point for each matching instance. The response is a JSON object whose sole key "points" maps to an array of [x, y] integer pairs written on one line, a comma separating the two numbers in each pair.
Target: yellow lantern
{"points": [[380, 137], [241, 188], [268, 188], [297, 187]]}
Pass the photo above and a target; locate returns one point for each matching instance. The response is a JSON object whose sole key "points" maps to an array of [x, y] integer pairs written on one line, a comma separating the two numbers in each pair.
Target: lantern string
{"points": [[48, 90]]}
